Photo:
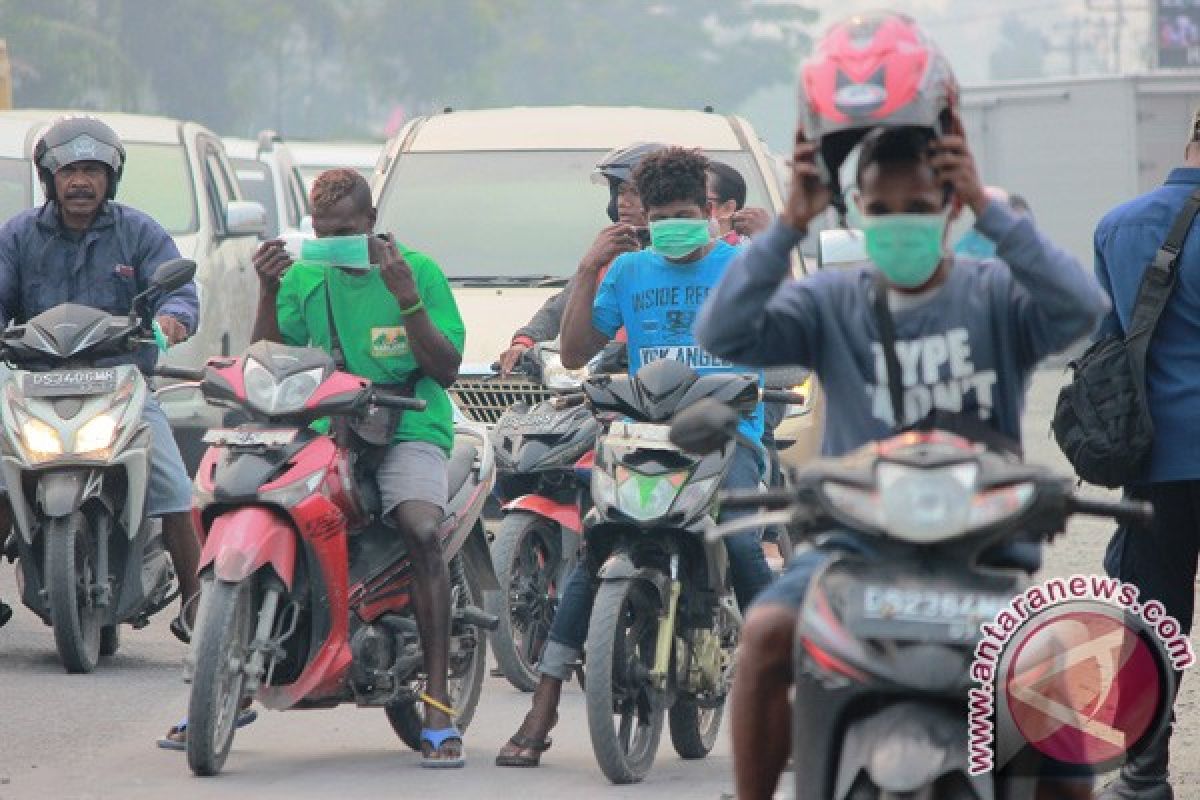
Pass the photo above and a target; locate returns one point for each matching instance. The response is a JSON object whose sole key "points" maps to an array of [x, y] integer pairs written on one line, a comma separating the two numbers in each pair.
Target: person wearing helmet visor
{"points": [[83, 247], [654, 294], [627, 232], [968, 333]]}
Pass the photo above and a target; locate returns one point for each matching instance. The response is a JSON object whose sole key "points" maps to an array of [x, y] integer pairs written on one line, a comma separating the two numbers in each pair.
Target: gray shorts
{"points": [[170, 489], [412, 471]]}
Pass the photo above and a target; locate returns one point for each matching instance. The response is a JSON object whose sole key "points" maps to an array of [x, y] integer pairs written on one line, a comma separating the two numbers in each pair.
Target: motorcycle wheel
{"points": [[220, 640], [694, 727], [70, 572], [110, 640], [625, 726], [526, 555], [467, 667]]}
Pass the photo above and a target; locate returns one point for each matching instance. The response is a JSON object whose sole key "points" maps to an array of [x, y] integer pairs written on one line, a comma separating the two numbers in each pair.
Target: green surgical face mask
{"points": [[906, 248], [679, 238], [337, 251]]}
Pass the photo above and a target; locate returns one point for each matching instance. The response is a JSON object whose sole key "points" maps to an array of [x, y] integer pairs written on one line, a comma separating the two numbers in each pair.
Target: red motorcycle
{"points": [[305, 600]]}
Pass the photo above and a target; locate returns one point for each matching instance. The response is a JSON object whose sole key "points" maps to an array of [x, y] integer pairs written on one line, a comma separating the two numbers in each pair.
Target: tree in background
{"points": [[338, 67]]}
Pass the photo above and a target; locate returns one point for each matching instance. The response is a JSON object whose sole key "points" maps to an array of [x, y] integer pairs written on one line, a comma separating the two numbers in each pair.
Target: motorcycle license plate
{"points": [[926, 613], [69, 382], [232, 437]]}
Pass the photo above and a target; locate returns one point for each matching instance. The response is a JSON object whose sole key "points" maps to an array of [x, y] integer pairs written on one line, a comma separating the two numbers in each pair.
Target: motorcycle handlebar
{"points": [[398, 402], [783, 396], [756, 498], [1132, 512], [179, 373]]}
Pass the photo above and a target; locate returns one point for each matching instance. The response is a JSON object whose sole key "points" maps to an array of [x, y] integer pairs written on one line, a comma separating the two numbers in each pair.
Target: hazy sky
{"points": [[967, 29]]}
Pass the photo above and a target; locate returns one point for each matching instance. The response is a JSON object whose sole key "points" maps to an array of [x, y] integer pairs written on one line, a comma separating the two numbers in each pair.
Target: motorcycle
{"points": [[306, 591], [75, 458], [664, 624], [543, 460], [887, 634]]}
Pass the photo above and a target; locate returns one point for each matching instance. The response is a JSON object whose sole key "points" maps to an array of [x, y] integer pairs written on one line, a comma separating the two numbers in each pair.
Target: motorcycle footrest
{"points": [[473, 615]]}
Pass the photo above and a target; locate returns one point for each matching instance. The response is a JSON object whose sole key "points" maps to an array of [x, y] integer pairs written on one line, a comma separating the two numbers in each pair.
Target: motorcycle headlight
{"points": [[925, 505], [695, 493], [96, 434], [281, 397], [40, 439], [646, 497], [556, 376]]}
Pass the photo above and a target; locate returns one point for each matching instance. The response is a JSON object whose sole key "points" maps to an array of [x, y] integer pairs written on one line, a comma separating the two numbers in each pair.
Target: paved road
{"points": [[92, 736]]}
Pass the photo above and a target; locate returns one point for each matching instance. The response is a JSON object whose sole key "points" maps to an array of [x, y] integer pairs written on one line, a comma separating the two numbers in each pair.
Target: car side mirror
{"points": [[172, 275], [704, 427], [841, 247], [245, 218]]}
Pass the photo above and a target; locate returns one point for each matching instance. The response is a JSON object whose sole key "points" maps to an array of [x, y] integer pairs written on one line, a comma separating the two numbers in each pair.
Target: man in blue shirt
{"points": [[655, 294], [83, 247], [1161, 561]]}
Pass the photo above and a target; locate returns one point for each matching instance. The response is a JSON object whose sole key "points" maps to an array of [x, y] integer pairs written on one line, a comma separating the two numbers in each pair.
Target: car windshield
{"points": [[158, 181], [509, 214], [255, 180], [15, 186]]}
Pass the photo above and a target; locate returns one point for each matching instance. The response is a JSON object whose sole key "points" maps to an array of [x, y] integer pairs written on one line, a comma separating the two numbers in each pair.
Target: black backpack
{"points": [[1102, 420]]}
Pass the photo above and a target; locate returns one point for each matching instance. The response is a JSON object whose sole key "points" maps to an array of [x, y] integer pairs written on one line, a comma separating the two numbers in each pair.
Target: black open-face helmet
{"points": [[78, 138], [617, 167]]}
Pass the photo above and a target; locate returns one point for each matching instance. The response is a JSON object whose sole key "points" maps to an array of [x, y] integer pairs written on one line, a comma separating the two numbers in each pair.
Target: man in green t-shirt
{"points": [[391, 321]]}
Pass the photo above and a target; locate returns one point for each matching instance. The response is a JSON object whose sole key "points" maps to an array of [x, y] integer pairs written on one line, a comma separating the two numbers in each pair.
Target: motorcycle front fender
{"points": [[620, 567], [243, 541], [563, 514], [61, 493], [907, 747]]}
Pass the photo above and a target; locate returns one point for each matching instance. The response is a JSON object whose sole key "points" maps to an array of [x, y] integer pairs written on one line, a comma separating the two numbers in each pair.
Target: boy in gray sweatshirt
{"points": [[968, 336]]}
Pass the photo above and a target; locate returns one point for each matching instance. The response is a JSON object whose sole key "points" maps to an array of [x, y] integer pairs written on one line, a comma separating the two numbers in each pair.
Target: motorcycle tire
{"points": [[220, 638], [70, 567], [623, 627], [110, 640], [407, 717], [527, 558]]}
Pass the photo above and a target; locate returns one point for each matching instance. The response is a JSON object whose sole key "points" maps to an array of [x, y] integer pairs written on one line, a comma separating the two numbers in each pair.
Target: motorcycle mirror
{"points": [[704, 428], [173, 275]]}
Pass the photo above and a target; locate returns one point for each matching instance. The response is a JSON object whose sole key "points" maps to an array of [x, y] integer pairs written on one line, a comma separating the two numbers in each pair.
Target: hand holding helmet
{"points": [[808, 194], [954, 165]]}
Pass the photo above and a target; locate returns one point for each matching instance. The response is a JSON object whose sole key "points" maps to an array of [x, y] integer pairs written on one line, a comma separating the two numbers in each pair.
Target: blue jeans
{"points": [[748, 571]]}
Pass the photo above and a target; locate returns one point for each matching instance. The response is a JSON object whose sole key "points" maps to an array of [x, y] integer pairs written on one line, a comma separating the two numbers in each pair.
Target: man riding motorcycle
{"points": [[624, 209], [969, 333], [654, 294], [81, 246], [394, 321]]}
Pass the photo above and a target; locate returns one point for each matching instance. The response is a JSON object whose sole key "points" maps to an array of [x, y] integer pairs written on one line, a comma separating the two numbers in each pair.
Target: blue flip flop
{"points": [[436, 739], [244, 718]]}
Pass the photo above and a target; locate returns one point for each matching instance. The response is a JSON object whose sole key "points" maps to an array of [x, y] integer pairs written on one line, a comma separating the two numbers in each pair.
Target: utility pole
{"points": [[1118, 9], [1072, 44], [5, 77]]}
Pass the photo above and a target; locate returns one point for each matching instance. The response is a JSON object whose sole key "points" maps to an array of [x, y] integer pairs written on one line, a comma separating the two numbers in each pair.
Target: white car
{"points": [[503, 200], [313, 158], [267, 173]]}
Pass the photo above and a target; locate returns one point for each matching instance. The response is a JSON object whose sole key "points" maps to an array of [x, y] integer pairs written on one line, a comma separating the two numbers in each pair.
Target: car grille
{"points": [[485, 400]]}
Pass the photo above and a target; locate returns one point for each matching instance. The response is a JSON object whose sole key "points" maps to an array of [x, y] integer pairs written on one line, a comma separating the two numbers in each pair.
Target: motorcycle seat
{"points": [[458, 468]]}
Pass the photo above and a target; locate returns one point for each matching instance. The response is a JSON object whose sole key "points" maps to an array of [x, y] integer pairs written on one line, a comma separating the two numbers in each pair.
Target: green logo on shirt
{"points": [[389, 342]]}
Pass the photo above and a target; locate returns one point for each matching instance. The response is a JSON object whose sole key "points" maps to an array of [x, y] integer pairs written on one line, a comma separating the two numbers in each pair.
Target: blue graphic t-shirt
{"points": [[657, 302]]}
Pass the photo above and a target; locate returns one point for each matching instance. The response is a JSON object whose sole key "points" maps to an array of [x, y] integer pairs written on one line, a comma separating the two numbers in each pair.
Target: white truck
{"points": [[1077, 147]]}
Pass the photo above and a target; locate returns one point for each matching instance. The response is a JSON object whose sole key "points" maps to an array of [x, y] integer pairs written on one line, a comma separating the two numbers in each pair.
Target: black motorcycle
{"points": [[949, 534], [664, 624]]}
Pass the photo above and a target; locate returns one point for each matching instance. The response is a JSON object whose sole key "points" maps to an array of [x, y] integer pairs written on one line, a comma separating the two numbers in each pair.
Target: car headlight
{"points": [[96, 434], [39, 438], [281, 397], [646, 497], [556, 376]]}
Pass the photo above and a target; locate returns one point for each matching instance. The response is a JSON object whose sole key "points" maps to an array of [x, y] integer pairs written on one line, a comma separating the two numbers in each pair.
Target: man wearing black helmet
{"points": [[628, 216], [83, 247]]}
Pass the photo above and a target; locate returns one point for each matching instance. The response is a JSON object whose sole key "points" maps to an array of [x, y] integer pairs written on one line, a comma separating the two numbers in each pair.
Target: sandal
{"points": [[437, 738], [176, 738], [180, 630], [5, 614], [538, 746]]}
